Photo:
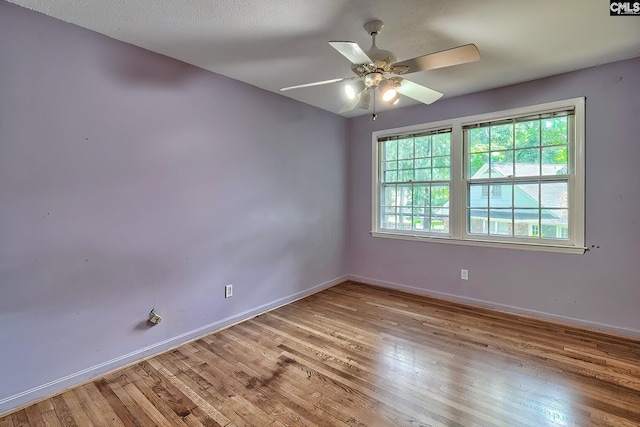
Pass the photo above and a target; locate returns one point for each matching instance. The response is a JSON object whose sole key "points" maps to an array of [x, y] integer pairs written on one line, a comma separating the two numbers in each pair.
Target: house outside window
{"points": [[509, 179]]}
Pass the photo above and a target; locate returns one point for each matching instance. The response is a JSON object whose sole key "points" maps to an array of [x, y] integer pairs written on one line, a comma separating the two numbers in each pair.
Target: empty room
{"points": [[319, 213]]}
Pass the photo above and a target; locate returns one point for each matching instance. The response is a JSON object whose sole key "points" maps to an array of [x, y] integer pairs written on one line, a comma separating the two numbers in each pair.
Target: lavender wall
{"points": [[599, 289], [130, 181]]}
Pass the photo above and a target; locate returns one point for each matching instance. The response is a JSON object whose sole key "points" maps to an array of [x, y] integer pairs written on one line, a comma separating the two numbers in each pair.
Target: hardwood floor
{"points": [[356, 355]]}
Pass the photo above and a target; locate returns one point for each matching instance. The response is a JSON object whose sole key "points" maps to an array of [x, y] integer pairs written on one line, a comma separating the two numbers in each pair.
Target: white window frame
{"points": [[458, 185]]}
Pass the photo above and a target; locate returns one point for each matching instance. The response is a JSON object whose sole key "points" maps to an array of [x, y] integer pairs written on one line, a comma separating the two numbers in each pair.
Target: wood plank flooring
{"points": [[357, 355]]}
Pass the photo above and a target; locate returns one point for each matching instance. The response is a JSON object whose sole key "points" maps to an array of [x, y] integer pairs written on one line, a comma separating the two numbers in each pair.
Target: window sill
{"points": [[483, 243]]}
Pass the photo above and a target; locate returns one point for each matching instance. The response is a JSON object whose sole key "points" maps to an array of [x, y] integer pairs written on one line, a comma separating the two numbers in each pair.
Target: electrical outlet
{"points": [[228, 291], [464, 274]]}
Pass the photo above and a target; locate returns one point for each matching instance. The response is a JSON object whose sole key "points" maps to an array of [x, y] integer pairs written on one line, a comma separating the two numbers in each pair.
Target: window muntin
{"points": [[415, 171], [516, 179]]}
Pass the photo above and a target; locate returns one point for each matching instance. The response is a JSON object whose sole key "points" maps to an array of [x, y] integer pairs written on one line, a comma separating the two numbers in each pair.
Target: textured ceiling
{"points": [[277, 43]]}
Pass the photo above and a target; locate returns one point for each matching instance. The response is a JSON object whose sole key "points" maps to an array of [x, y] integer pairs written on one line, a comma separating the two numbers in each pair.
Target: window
{"points": [[414, 182], [509, 179]]}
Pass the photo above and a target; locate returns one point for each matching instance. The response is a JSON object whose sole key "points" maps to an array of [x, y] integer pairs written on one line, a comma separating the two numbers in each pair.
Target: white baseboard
{"points": [[627, 332], [28, 397]]}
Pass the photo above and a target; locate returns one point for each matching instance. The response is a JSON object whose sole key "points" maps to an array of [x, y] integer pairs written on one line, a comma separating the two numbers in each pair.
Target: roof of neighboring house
{"points": [[553, 197]]}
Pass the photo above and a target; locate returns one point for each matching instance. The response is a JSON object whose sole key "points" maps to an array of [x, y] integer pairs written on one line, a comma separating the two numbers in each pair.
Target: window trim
{"points": [[457, 203]]}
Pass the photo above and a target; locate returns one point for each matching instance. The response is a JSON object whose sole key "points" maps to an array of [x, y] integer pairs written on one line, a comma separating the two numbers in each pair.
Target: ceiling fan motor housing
{"points": [[373, 27], [381, 58]]}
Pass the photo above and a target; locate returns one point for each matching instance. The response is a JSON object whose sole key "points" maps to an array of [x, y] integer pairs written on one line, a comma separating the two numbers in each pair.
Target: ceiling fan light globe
{"points": [[350, 92], [353, 89], [387, 90], [394, 99], [389, 95], [365, 100]]}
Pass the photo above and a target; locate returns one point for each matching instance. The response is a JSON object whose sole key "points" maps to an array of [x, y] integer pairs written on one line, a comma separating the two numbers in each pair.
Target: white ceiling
{"points": [[277, 43]]}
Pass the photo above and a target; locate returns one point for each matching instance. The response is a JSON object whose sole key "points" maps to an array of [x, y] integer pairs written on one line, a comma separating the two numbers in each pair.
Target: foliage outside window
{"points": [[513, 178]]}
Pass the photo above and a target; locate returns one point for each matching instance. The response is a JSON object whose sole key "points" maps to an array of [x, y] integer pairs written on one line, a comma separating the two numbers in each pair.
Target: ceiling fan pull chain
{"points": [[374, 116]]}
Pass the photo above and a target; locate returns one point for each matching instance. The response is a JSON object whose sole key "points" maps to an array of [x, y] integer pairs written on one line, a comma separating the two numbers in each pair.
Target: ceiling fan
{"points": [[378, 69]]}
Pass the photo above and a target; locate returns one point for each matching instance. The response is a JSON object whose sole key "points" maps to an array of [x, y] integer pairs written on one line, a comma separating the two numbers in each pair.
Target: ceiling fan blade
{"points": [[418, 92], [324, 82], [352, 52], [446, 58]]}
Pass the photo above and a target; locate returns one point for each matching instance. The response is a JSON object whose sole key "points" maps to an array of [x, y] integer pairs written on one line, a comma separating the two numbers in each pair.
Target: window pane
{"points": [[527, 134], [555, 160], [500, 221], [440, 174], [390, 176], [554, 194], [405, 195], [501, 164], [527, 162], [478, 140], [439, 196], [389, 166], [526, 222], [421, 196], [439, 220], [422, 175], [441, 143], [388, 217], [388, 221], [421, 219], [388, 196], [423, 146], [441, 168], [478, 220], [504, 228], [404, 221], [501, 137], [552, 222], [476, 162], [500, 195], [406, 175], [478, 197], [405, 148], [554, 131], [549, 231], [526, 195], [390, 150]]}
